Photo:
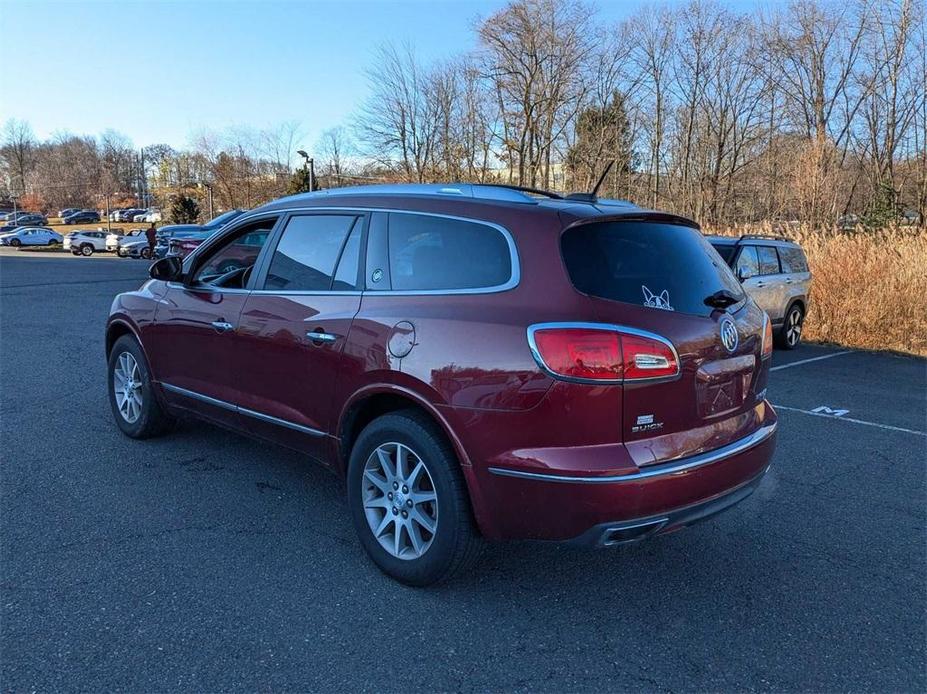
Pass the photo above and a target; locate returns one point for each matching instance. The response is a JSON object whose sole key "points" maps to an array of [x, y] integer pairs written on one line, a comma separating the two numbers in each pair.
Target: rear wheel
{"points": [[789, 336], [136, 409], [86, 250], [409, 501]]}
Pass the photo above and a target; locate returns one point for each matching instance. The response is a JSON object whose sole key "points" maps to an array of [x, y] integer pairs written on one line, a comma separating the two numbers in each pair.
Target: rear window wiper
{"points": [[721, 299]]}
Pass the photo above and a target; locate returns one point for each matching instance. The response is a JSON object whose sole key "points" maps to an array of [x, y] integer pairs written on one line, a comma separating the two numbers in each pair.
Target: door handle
{"points": [[222, 326], [760, 284], [321, 337]]}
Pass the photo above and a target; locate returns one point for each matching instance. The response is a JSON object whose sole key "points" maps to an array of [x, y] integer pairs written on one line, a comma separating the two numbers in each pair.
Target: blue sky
{"points": [[158, 71]]}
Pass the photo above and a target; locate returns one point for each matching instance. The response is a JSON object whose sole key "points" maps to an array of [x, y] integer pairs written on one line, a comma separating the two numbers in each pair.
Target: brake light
{"points": [[766, 346], [601, 354]]}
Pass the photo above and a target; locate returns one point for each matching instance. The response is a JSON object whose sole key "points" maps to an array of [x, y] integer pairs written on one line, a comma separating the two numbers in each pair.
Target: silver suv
{"points": [[774, 271]]}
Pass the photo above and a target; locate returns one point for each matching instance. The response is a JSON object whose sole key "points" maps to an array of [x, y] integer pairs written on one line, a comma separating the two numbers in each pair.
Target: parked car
{"points": [[117, 238], [774, 271], [475, 361], [134, 248], [31, 236], [67, 211], [82, 217], [27, 219], [166, 233], [153, 215], [85, 242], [127, 215]]}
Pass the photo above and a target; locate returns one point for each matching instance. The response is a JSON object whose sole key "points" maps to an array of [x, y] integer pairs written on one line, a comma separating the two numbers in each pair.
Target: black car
{"points": [[82, 217]]}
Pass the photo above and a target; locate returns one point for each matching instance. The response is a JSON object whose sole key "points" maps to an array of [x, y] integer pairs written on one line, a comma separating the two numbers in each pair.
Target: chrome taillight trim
{"points": [[610, 327]]}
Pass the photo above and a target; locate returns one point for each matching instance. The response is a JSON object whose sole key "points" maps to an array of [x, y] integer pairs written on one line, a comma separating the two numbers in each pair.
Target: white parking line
{"points": [[808, 361], [850, 419]]}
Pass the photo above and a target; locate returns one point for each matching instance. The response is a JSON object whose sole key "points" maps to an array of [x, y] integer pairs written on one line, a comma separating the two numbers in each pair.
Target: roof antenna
{"points": [[591, 197]]}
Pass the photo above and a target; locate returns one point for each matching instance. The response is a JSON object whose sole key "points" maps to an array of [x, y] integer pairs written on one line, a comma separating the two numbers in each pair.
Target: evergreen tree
{"points": [[184, 209], [602, 135], [300, 182]]}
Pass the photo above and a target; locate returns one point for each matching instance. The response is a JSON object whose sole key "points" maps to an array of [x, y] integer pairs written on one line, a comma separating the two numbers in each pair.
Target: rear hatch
{"points": [[655, 275]]}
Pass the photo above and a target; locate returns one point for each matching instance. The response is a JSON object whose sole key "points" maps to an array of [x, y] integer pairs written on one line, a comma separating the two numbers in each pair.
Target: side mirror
{"points": [[743, 274], [168, 269]]}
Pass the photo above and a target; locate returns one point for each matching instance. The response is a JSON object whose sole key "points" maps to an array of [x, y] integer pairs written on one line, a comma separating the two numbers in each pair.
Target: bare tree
{"points": [[399, 120], [18, 153]]}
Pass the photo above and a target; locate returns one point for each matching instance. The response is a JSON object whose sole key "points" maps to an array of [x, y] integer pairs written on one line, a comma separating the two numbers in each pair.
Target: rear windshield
{"points": [[664, 266]]}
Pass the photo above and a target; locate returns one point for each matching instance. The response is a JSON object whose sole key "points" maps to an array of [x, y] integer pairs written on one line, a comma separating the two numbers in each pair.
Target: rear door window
{"points": [[769, 261], [308, 253], [429, 253], [658, 265], [792, 259]]}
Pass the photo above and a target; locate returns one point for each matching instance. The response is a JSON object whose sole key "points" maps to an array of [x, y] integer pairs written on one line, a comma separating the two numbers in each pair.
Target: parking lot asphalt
{"points": [[206, 561]]}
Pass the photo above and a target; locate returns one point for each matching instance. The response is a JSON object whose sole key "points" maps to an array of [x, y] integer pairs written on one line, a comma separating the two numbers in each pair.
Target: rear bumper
{"points": [[611, 509], [627, 532]]}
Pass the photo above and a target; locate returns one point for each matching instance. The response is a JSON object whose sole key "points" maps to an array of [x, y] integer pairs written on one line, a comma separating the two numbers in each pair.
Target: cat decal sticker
{"points": [[660, 300]]}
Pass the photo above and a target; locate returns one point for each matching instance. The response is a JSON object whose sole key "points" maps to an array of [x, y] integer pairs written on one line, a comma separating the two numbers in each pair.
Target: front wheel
{"points": [[52, 242], [16, 243], [86, 250], [136, 409], [789, 336], [409, 501], [145, 253]]}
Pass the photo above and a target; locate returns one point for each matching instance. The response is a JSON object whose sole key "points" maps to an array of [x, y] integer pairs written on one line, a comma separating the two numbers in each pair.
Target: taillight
{"points": [[766, 347], [598, 353]]}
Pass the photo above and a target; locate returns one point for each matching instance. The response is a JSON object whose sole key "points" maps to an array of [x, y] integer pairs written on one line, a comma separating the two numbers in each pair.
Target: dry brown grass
{"points": [[869, 288]]}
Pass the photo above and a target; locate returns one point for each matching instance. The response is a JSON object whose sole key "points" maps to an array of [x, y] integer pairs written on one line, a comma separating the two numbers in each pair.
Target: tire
{"points": [[16, 243], [455, 544], [52, 242], [145, 253], [86, 250], [143, 417], [121, 253], [789, 335]]}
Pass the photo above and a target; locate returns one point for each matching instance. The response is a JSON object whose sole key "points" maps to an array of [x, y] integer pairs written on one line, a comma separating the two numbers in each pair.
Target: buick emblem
{"points": [[729, 337]]}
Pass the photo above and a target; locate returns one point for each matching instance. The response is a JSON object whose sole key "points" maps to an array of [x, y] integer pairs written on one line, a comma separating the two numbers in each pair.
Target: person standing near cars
{"points": [[152, 236]]}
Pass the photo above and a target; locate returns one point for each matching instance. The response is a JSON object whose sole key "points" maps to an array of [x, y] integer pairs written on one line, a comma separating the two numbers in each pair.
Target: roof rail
{"points": [[768, 237], [500, 193]]}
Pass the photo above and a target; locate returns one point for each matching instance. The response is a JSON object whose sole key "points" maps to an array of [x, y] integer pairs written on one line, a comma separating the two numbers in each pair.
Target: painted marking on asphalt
{"points": [[815, 413], [808, 361], [824, 409]]}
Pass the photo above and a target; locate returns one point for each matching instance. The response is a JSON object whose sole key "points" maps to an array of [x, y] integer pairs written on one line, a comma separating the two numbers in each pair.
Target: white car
{"points": [[154, 215], [134, 248], [116, 239], [31, 236], [85, 242]]}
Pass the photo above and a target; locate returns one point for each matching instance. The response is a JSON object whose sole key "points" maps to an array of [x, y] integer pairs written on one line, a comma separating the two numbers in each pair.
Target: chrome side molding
{"points": [[242, 410]]}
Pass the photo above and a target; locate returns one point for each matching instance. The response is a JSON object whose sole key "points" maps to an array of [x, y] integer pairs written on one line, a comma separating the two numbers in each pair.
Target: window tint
{"points": [[793, 259], [346, 275], [241, 250], [309, 248], [748, 265], [769, 261], [664, 266], [725, 250], [435, 253]]}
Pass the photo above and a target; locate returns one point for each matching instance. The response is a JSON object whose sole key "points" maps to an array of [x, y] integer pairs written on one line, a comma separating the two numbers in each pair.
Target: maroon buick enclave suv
{"points": [[478, 362]]}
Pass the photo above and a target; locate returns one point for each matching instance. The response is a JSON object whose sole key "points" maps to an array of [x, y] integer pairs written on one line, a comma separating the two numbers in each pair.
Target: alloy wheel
{"points": [[793, 327], [400, 501], [127, 386]]}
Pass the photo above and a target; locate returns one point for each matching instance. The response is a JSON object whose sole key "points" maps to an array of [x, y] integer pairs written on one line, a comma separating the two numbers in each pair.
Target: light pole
{"points": [[310, 163]]}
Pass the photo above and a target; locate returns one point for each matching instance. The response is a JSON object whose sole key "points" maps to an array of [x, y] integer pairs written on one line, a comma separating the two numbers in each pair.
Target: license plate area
{"points": [[722, 386]]}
